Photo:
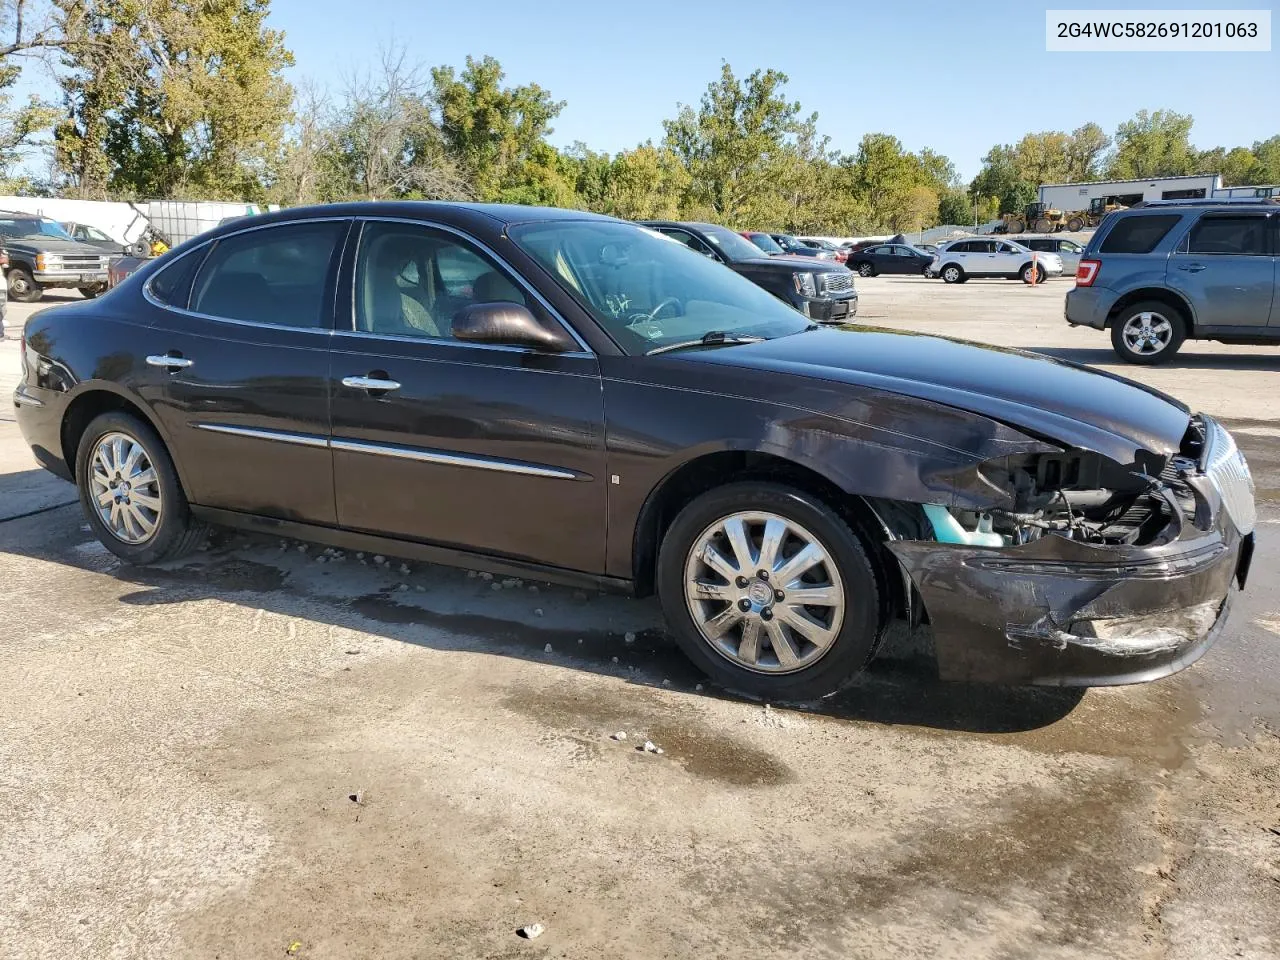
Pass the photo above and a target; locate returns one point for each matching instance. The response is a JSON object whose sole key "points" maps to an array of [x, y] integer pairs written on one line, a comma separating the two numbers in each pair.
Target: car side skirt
{"points": [[409, 549]]}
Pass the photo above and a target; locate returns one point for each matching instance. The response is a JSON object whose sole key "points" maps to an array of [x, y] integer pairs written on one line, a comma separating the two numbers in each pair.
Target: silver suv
{"points": [[1163, 273], [959, 260]]}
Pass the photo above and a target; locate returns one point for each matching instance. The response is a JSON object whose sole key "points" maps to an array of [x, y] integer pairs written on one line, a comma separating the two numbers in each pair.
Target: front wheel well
{"points": [[717, 469], [1153, 293]]}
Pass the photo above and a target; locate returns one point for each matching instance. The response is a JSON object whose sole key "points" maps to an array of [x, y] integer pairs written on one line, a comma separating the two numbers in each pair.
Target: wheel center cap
{"points": [[759, 593]]}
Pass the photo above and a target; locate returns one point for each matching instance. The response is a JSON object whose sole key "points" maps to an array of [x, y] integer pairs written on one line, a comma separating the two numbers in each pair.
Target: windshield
{"points": [[765, 243], [734, 246], [32, 227], [93, 233], [649, 291]]}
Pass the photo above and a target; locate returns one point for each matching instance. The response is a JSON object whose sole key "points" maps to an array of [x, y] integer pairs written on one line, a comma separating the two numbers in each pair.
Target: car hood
{"points": [[1050, 398], [48, 245], [785, 261]]}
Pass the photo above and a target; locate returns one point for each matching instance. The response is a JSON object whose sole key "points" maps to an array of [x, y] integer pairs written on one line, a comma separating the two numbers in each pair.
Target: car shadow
{"points": [[1099, 356], [448, 609]]}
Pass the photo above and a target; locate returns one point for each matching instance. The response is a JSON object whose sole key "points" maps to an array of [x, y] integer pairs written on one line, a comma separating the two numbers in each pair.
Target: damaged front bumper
{"points": [[1062, 612]]}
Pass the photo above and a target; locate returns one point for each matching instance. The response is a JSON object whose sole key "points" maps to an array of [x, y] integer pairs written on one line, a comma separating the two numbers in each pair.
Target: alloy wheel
{"points": [[125, 488], [1147, 333], [764, 592]]}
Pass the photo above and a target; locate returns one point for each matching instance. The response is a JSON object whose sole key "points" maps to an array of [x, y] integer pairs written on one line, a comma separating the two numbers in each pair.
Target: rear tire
{"points": [[1148, 333], [23, 286], [952, 273], [149, 519], [1016, 226], [837, 633], [140, 249], [1075, 224]]}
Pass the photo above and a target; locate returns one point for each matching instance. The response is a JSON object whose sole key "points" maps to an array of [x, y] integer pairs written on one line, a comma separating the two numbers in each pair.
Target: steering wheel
{"points": [[638, 318]]}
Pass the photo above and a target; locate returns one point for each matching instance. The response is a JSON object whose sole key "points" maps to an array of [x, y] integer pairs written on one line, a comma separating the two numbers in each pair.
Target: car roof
{"points": [[504, 213]]}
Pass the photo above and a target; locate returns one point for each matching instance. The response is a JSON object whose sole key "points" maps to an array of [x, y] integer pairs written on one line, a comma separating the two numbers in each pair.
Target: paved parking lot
{"points": [[255, 752]]}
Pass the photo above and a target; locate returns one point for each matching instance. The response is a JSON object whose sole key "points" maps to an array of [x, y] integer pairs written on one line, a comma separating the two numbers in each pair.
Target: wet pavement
{"points": [[267, 745]]}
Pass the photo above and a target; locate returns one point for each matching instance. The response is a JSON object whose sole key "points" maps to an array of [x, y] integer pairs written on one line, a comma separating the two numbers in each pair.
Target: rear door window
{"points": [[275, 276], [1140, 234], [1242, 236]]}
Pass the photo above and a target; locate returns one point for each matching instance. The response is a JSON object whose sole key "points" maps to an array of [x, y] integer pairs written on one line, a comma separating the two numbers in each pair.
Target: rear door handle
{"points": [[370, 384], [169, 363], [1191, 267]]}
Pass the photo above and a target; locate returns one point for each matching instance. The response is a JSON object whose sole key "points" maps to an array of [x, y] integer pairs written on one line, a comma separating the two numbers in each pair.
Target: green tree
{"points": [[1085, 149], [1153, 145], [172, 97], [1001, 178], [736, 145], [498, 134], [1267, 153]]}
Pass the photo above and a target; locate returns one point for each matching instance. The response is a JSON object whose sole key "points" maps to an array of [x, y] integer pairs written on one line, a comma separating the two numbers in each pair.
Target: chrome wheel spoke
{"points": [[144, 477], [806, 596], [145, 524], [718, 625], [749, 645], [714, 559], [143, 500], [736, 531], [809, 557], [105, 497], [775, 531], [711, 591], [781, 645], [805, 625]]}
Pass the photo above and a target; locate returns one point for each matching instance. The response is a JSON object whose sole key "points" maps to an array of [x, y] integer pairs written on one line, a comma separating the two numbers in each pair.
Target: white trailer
{"points": [[1077, 196]]}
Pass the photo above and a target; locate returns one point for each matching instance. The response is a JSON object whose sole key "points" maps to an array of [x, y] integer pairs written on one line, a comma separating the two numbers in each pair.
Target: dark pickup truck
{"points": [[822, 290], [42, 254]]}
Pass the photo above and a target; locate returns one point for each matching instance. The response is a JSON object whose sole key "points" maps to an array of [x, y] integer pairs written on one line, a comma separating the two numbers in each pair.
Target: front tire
{"points": [[1075, 225], [951, 273], [23, 286], [866, 270], [90, 292], [130, 492], [769, 592], [1026, 273], [1148, 333]]}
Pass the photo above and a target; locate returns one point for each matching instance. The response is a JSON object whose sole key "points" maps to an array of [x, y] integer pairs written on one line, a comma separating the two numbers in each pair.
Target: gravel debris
{"points": [[620, 735], [547, 648], [532, 931], [629, 638], [537, 612]]}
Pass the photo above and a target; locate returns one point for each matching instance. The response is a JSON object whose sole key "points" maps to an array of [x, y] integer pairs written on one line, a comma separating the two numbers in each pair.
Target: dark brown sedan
{"points": [[582, 399]]}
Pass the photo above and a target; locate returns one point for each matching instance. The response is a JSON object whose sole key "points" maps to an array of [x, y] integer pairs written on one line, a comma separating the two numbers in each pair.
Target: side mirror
{"points": [[508, 324]]}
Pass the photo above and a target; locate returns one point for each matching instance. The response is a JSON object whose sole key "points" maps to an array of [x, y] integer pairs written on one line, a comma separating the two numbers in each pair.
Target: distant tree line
{"points": [[187, 99]]}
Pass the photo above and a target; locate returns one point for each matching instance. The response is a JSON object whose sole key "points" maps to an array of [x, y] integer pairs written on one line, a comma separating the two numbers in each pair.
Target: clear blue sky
{"points": [[916, 70]]}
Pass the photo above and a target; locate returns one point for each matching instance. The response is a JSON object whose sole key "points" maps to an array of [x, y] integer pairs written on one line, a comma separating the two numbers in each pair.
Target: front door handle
{"points": [[1191, 267], [170, 363], [370, 384]]}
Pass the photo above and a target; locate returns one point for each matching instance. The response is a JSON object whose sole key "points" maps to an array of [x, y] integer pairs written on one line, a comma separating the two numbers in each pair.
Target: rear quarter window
{"points": [[1138, 234]]}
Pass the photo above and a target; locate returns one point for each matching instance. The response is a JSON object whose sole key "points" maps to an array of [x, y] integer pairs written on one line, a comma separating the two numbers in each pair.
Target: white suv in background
{"points": [[959, 260]]}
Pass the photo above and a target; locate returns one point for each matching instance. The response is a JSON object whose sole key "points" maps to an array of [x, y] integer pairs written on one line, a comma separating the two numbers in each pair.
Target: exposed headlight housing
{"points": [[805, 284], [1229, 473]]}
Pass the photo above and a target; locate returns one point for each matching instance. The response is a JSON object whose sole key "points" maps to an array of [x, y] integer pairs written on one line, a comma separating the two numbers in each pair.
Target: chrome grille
{"points": [[1228, 470], [837, 282]]}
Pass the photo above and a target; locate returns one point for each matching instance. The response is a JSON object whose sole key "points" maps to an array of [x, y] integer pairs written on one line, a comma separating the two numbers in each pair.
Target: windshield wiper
{"points": [[712, 338]]}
